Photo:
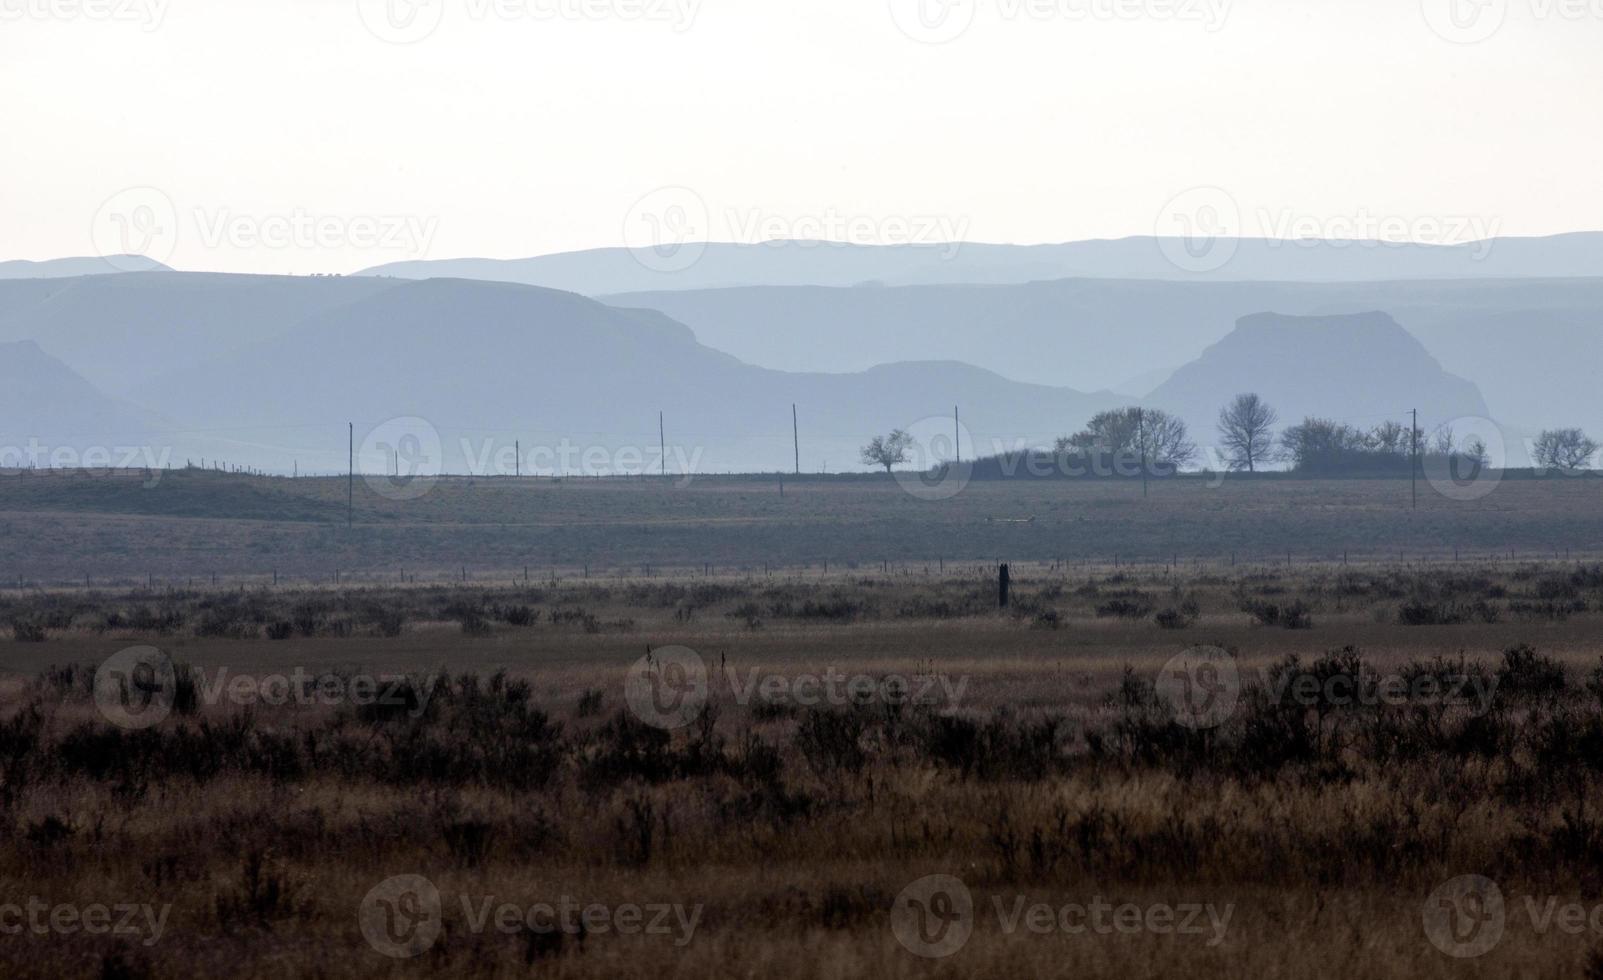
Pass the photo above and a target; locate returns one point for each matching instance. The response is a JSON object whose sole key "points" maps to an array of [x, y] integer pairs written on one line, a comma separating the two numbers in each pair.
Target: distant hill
{"points": [[502, 362], [1361, 369], [266, 370], [1531, 344], [91, 266], [120, 331], [45, 405], [797, 263]]}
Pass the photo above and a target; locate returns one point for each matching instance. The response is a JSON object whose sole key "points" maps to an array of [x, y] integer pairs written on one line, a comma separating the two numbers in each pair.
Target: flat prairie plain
{"points": [[130, 526]]}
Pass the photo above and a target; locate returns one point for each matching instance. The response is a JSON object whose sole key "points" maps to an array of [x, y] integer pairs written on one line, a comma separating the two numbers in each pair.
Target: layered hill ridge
{"points": [[46, 406], [80, 266], [1361, 369], [815, 263], [267, 370]]}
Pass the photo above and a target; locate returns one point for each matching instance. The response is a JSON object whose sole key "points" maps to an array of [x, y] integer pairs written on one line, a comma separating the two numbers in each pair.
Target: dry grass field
{"points": [[1201, 771]]}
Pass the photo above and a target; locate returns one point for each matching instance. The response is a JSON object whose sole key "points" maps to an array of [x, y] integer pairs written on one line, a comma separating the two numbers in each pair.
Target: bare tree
{"points": [[887, 451], [1445, 440], [1162, 439], [1157, 437], [1389, 438], [1563, 449], [1247, 431]]}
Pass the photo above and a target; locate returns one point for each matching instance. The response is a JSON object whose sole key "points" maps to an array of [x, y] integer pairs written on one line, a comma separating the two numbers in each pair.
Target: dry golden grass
{"points": [[796, 864]]}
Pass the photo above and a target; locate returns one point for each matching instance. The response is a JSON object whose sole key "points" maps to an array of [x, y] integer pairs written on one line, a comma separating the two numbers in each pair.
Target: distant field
{"points": [[63, 526]]}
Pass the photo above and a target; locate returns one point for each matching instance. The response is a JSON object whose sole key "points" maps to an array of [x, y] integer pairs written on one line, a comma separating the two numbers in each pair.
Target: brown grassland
{"points": [[1057, 774], [1050, 764]]}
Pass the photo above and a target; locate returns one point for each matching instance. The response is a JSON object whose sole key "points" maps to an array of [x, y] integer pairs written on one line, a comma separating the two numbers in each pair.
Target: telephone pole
{"points": [[957, 435], [517, 465], [1141, 441], [1413, 459], [350, 478], [662, 437], [795, 435]]}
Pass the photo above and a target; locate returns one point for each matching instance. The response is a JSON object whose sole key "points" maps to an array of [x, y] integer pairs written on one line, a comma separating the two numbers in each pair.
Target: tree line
{"points": [[1135, 440]]}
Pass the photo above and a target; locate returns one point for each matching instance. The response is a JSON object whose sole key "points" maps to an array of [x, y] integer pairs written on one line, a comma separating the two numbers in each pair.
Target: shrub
{"points": [[1295, 616], [590, 703], [1174, 619], [1136, 607], [521, 616], [1527, 674], [1426, 612], [27, 631]]}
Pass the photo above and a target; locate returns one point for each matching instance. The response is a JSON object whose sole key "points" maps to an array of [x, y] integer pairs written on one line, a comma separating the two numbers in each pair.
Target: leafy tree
{"points": [[1563, 449], [887, 451], [1247, 432]]}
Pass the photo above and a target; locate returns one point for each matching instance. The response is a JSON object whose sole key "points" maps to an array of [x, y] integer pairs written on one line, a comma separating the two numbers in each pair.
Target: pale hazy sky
{"points": [[296, 136]]}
